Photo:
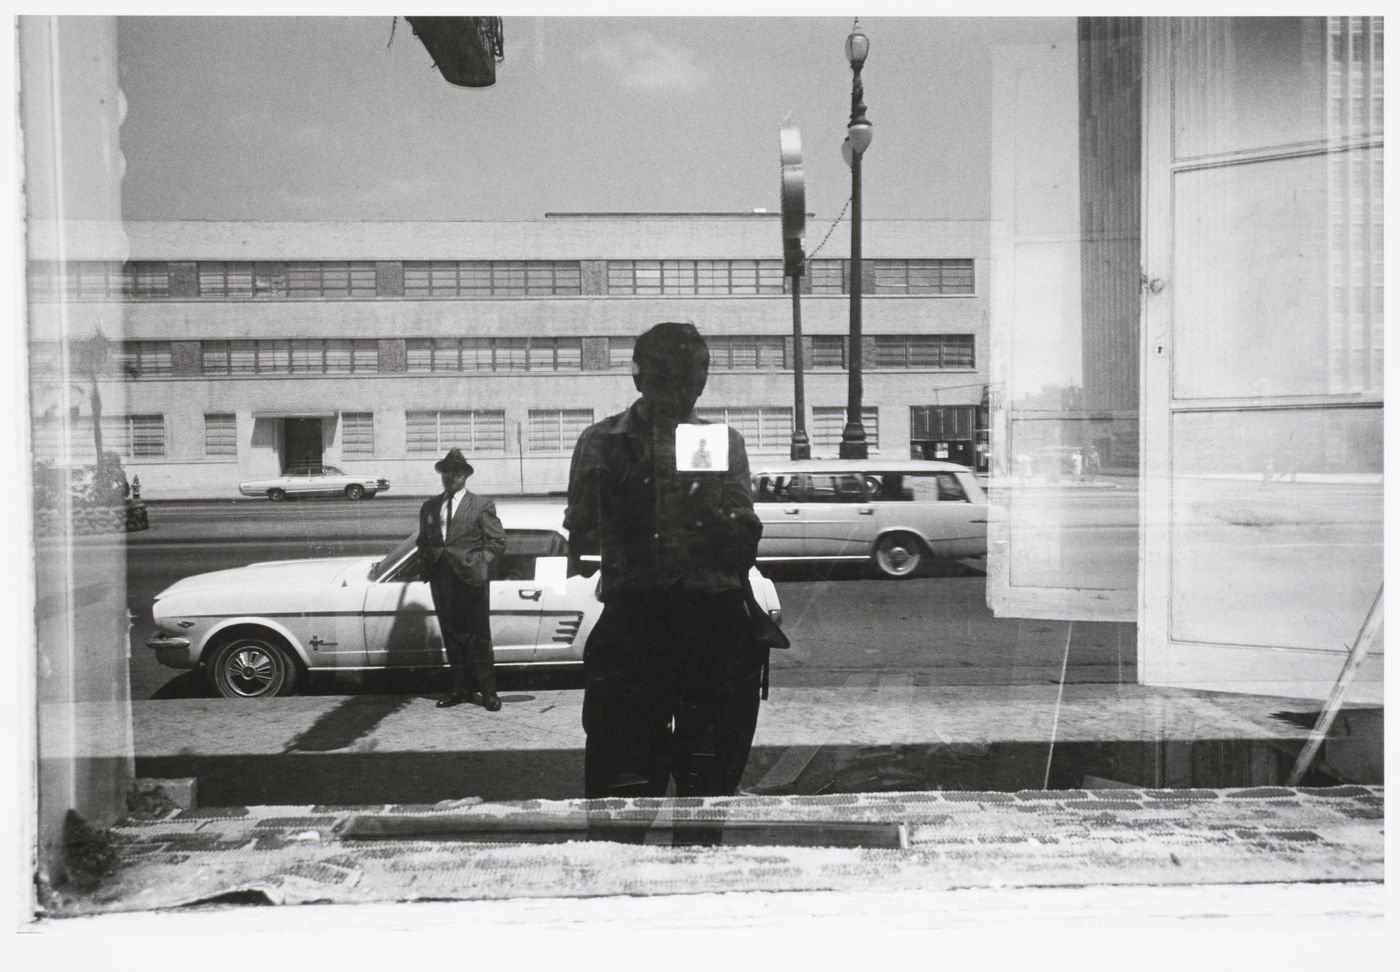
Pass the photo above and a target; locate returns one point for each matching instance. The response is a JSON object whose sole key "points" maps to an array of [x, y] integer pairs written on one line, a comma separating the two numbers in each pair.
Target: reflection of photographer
{"points": [[700, 459], [671, 670]]}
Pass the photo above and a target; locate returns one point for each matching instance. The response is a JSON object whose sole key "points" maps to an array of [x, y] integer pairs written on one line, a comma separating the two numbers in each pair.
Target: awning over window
{"points": [[294, 413]]}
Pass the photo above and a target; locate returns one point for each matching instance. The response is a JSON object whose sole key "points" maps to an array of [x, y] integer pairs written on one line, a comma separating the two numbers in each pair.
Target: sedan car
{"points": [[258, 630], [896, 514], [314, 480]]}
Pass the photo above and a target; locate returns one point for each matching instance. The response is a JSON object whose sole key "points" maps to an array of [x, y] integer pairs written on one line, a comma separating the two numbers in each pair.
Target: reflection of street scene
{"points": [[259, 630], [962, 656], [1053, 464], [385, 544], [897, 515]]}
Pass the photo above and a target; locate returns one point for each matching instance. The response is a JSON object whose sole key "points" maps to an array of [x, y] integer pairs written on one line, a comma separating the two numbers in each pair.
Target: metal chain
{"points": [[813, 255]]}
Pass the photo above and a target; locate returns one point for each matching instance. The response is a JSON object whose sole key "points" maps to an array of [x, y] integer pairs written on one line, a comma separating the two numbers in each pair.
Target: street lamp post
{"points": [[858, 136]]}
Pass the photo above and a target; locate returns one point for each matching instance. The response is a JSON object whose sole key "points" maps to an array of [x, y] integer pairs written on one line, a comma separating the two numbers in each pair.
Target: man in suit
{"points": [[459, 535]]}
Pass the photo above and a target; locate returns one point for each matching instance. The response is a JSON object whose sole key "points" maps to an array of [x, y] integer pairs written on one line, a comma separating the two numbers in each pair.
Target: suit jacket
{"points": [[476, 539]]}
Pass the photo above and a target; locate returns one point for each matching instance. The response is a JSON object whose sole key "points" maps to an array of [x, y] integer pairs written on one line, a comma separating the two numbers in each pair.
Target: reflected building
{"points": [[1355, 205], [1226, 310], [1182, 272], [240, 349], [1110, 199]]}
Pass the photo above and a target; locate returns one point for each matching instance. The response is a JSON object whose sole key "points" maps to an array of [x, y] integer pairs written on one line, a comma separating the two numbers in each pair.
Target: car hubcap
{"points": [[898, 559], [251, 671]]}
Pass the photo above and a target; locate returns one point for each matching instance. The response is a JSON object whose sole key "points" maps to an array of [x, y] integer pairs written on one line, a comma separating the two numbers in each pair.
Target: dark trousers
{"points": [[671, 686], [464, 616]]}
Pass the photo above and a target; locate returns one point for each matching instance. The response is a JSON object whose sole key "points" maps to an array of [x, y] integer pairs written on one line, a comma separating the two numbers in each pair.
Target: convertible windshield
{"points": [[385, 563]]}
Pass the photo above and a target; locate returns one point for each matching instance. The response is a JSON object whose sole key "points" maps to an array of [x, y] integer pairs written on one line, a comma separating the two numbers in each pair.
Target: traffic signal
{"points": [[465, 49], [794, 199]]}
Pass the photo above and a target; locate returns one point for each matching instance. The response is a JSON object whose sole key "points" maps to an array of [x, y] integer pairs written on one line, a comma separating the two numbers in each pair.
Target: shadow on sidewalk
{"points": [[309, 774], [422, 684], [342, 727]]}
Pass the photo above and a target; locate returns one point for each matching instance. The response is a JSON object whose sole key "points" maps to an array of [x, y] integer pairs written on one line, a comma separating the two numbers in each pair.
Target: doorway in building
{"points": [[946, 432], [302, 442]]}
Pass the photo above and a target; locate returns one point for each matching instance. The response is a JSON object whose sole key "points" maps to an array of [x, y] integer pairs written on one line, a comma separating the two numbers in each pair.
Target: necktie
{"points": [[447, 526]]}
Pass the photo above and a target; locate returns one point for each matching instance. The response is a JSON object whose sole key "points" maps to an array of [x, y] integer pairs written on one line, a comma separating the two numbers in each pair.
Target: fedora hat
{"points": [[453, 458]]}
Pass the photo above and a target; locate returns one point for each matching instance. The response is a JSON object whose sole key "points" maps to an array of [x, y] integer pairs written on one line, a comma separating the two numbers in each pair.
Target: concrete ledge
{"points": [[957, 841]]}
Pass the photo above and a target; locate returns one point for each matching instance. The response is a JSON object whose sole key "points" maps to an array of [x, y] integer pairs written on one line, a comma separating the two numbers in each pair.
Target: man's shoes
{"points": [[489, 701]]}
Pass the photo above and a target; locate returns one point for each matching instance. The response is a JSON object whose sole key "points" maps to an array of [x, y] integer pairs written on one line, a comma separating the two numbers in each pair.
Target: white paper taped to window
{"points": [[702, 448]]}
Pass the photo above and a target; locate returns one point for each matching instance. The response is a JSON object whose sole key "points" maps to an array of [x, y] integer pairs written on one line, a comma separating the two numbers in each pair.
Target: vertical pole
{"points": [[853, 444], [801, 445], [853, 436], [520, 456]]}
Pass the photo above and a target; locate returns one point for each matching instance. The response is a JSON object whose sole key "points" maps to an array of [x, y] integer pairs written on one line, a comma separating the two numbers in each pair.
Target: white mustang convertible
{"points": [[256, 630]]}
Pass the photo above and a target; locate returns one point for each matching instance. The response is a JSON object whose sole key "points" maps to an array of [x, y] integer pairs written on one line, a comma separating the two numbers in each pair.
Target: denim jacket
{"points": [[656, 528]]}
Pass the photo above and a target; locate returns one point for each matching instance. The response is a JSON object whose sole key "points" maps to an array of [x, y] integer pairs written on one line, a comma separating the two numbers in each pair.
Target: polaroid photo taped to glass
{"points": [[702, 448]]}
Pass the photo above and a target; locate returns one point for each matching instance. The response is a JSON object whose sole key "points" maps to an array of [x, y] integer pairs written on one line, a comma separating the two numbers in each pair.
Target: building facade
{"points": [[240, 349]]}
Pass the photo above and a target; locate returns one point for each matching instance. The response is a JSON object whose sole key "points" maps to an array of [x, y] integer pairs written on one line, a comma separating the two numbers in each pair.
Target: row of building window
{"points": [[231, 280], [129, 436], [553, 431], [458, 279], [495, 354], [694, 277], [329, 356], [766, 429], [343, 356], [479, 432], [492, 278]]}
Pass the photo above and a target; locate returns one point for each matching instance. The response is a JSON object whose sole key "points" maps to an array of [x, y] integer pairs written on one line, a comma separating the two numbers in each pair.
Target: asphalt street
{"points": [[932, 629]]}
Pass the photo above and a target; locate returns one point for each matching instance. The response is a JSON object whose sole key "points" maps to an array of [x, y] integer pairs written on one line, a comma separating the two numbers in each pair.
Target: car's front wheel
{"points": [[898, 554], [354, 491], [251, 667], [277, 495]]}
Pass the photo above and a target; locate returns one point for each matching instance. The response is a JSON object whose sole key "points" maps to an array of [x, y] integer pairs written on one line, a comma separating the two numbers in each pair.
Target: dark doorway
{"points": [[947, 432], [302, 442]]}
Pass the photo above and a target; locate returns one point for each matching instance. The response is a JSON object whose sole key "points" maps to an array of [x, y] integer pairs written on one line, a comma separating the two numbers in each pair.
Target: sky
{"points": [[296, 118]]}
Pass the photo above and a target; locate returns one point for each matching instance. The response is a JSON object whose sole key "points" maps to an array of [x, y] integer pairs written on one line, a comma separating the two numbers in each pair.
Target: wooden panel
{"points": [[1062, 527], [1276, 526], [1262, 488]]}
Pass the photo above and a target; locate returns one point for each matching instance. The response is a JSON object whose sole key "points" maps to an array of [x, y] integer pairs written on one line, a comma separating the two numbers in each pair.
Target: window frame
{"points": [[215, 432], [482, 427], [774, 436], [822, 416], [735, 277], [134, 436], [900, 352], [357, 435], [488, 279], [567, 425]]}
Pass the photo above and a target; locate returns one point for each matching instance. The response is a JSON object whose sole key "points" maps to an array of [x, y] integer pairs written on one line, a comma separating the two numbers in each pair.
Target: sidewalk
{"points": [[872, 733]]}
